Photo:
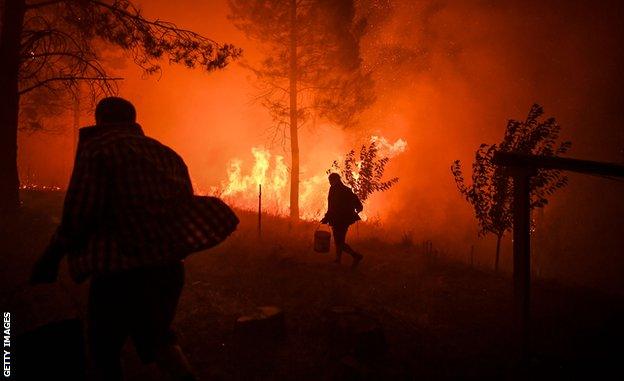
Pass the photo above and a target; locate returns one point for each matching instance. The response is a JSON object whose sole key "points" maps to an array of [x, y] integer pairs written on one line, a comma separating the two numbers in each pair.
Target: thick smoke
{"points": [[448, 74]]}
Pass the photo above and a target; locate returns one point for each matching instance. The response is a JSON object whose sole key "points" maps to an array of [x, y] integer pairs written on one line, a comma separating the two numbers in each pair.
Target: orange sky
{"points": [[465, 68]]}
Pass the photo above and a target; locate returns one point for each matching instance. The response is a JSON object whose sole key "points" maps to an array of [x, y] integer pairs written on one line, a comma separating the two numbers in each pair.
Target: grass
{"points": [[442, 320]]}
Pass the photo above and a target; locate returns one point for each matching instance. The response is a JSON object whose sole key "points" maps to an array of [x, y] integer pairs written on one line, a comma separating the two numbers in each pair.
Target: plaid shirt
{"points": [[130, 203]]}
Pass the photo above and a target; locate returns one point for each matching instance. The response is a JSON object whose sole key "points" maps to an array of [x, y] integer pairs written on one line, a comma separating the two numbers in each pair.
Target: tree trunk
{"points": [[76, 119], [294, 133], [498, 243], [12, 23]]}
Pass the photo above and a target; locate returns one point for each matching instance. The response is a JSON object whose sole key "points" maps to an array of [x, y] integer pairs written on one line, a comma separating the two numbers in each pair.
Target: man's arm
{"points": [[84, 201], [186, 178], [357, 204], [327, 218]]}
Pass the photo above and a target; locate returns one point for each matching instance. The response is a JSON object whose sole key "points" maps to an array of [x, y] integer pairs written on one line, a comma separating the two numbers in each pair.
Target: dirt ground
{"points": [[441, 320]]}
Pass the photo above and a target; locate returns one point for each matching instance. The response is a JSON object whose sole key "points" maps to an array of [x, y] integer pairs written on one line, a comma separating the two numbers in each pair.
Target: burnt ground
{"points": [[441, 320]]}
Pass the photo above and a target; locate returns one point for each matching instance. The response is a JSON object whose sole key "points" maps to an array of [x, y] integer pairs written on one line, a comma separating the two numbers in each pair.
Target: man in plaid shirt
{"points": [[129, 219]]}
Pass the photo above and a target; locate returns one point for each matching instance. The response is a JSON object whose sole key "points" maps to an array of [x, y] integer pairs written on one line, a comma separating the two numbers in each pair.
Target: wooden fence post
{"points": [[522, 167], [259, 210], [522, 256]]}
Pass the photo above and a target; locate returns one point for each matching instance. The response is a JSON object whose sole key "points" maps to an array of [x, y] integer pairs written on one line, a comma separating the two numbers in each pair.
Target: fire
{"points": [[268, 171], [29, 182], [39, 187], [271, 172], [237, 182]]}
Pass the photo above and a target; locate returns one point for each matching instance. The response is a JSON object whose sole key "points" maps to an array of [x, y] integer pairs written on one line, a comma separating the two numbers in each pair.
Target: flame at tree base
{"points": [[270, 170]]}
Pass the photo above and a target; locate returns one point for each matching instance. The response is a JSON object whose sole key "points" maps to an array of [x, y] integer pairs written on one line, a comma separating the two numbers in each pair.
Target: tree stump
{"points": [[256, 338], [349, 368], [355, 333], [266, 322]]}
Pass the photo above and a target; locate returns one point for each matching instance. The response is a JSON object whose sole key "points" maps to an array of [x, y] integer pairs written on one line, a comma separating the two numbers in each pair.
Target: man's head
{"points": [[114, 110], [334, 179]]}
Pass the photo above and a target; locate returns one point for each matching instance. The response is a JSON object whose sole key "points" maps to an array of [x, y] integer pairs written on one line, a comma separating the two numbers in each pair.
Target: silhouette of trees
{"points": [[491, 192], [364, 175], [52, 46], [311, 66], [38, 106]]}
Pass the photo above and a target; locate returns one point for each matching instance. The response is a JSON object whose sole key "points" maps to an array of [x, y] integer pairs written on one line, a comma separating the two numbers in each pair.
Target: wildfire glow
{"points": [[270, 170]]}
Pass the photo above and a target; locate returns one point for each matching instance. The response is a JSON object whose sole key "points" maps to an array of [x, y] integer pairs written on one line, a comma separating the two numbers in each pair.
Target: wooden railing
{"points": [[521, 168]]}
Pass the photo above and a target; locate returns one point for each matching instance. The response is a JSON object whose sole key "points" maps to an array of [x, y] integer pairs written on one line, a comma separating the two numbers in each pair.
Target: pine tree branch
{"points": [[43, 4], [54, 79]]}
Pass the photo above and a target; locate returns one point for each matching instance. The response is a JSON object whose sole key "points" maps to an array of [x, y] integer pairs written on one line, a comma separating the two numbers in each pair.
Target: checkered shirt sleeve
{"points": [[130, 203]]}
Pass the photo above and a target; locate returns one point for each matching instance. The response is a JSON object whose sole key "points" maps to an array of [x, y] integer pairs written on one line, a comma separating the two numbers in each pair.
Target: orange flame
{"points": [[242, 189], [270, 171]]}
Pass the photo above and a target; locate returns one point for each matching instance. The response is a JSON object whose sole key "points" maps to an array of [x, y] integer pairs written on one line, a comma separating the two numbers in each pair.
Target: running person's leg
{"points": [[159, 289], [339, 233], [357, 257], [107, 326], [140, 303]]}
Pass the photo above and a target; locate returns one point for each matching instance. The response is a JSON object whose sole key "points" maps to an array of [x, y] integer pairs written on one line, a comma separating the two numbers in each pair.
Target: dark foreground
{"points": [[440, 320]]}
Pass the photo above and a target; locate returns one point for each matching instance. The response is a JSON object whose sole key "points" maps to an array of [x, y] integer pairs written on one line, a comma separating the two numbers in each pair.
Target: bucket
{"points": [[322, 240]]}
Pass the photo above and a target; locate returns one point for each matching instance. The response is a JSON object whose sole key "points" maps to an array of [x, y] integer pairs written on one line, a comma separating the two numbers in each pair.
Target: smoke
{"points": [[448, 75], [389, 149]]}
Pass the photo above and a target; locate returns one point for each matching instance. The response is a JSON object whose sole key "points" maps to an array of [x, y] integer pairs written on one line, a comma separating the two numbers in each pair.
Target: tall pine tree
{"points": [[311, 67]]}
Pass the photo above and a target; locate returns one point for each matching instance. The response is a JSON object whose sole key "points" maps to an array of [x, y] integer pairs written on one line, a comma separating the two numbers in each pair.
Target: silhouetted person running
{"points": [[129, 219], [343, 207]]}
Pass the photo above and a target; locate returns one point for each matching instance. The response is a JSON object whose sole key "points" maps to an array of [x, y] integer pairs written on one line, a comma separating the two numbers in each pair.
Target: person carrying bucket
{"points": [[343, 207]]}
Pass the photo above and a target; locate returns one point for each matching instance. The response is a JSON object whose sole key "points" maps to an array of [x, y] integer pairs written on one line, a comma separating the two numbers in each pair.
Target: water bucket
{"points": [[322, 240]]}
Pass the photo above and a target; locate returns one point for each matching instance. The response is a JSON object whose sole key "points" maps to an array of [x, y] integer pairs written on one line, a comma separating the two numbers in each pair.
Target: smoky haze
{"points": [[448, 77]]}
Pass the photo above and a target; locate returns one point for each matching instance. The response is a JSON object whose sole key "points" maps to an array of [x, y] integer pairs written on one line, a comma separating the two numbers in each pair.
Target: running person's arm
{"points": [[84, 201], [328, 218], [357, 204]]}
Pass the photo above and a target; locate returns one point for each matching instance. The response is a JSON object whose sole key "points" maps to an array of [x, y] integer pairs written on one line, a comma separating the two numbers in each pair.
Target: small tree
{"points": [[490, 193], [365, 175]]}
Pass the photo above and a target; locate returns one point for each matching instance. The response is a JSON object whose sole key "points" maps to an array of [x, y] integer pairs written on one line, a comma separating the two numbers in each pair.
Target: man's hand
{"points": [[46, 268]]}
